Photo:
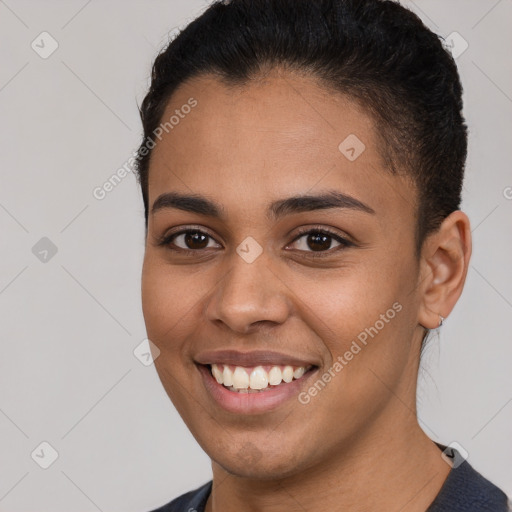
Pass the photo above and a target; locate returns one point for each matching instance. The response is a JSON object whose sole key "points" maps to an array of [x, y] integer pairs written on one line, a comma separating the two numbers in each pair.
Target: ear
{"points": [[444, 265]]}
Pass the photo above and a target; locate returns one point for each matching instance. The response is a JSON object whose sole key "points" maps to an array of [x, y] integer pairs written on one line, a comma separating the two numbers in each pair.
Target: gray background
{"points": [[70, 323]]}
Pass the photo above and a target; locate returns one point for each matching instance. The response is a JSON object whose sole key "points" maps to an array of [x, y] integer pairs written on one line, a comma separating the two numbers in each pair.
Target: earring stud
{"points": [[441, 320]]}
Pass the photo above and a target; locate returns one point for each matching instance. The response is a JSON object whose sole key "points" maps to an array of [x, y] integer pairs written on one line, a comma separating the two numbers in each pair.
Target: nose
{"points": [[249, 295]]}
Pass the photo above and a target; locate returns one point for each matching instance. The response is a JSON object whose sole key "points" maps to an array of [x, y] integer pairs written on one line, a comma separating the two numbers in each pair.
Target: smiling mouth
{"points": [[256, 379]]}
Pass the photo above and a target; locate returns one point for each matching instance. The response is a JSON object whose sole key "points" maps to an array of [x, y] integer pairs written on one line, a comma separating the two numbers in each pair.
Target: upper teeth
{"points": [[255, 378]]}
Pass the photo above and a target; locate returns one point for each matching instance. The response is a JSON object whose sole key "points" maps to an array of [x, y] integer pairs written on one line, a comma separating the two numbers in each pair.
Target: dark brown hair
{"points": [[375, 51]]}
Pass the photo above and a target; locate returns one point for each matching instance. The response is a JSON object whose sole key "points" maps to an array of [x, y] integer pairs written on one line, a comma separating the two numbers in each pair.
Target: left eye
{"points": [[319, 241]]}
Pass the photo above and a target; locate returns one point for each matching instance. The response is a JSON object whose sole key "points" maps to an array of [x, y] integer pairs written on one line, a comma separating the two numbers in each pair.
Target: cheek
{"points": [[155, 299], [342, 302], [359, 316], [167, 300], [168, 309]]}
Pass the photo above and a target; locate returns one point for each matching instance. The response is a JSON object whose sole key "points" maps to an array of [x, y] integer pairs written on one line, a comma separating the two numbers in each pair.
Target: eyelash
{"points": [[344, 243]]}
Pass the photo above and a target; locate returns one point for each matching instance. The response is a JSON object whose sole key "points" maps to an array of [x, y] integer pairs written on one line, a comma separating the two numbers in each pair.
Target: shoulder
{"points": [[466, 490], [192, 501]]}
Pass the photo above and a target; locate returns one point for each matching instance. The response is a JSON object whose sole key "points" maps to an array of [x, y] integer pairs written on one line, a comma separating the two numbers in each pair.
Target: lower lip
{"points": [[252, 403]]}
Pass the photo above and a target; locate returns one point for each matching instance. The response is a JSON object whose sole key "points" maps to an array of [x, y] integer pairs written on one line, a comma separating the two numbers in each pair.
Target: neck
{"points": [[384, 470]]}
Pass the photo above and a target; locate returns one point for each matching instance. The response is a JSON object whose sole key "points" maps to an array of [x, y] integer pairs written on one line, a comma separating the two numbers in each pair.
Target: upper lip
{"points": [[252, 358]]}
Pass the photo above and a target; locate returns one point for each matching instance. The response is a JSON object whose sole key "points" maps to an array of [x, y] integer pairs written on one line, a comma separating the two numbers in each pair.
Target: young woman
{"points": [[301, 172]]}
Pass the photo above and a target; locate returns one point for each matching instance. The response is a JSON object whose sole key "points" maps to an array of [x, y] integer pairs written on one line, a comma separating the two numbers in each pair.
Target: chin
{"points": [[259, 471], [249, 461]]}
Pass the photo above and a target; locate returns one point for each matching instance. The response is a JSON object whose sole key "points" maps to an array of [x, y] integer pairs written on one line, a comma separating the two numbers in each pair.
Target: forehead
{"points": [[280, 135]]}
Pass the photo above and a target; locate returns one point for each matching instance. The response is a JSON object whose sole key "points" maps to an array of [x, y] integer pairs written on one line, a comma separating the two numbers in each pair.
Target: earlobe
{"points": [[444, 265]]}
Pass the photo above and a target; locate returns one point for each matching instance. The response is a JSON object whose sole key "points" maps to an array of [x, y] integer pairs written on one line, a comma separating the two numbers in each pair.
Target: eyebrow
{"points": [[201, 205]]}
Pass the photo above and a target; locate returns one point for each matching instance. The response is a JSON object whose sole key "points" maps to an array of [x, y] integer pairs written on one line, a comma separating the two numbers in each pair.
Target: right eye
{"points": [[188, 241]]}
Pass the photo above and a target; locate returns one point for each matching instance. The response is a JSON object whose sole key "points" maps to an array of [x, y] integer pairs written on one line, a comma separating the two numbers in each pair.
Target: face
{"points": [[329, 284]]}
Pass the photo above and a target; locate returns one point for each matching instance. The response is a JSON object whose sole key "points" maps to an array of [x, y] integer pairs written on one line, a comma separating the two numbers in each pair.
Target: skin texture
{"points": [[357, 443]]}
